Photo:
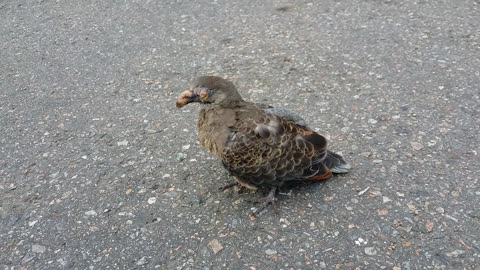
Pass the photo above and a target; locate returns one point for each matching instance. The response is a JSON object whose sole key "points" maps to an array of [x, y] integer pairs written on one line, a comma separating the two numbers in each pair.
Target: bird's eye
{"points": [[203, 94]]}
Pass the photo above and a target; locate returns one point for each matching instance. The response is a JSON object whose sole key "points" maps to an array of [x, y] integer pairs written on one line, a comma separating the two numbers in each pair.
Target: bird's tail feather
{"points": [[336, 163]]}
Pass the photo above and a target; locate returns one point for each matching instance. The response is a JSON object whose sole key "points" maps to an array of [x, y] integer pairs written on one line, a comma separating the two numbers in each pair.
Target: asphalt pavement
{"points": [[100, 170]]}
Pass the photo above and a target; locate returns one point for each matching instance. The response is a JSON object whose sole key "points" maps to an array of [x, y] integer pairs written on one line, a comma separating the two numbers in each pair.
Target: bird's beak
{"points": [[186, 97]]}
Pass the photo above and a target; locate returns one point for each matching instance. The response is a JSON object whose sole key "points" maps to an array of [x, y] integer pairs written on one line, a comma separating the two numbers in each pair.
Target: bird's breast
{"points": [[214, 129]]}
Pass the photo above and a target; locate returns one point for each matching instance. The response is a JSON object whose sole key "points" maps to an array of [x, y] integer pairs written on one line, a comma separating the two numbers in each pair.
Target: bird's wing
{"points": [[268, 149], [287, 115]]}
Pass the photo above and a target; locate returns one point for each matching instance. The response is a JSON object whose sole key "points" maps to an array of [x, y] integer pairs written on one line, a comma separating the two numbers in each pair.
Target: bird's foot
{"points": [[265, 202]]}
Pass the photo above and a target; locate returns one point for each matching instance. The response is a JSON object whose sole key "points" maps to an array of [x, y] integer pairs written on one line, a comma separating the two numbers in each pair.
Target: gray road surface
{"points": [[99, 170]]}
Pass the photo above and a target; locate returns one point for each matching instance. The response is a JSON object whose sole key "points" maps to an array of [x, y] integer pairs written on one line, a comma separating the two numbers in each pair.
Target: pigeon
{"points": [[259, 145]]}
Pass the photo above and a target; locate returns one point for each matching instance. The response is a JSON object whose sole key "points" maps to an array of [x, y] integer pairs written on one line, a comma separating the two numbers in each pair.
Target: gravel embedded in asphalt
{"points": [[99, 170]]}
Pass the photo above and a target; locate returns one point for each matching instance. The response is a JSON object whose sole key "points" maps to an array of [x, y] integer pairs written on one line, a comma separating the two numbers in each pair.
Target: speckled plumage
{"points": [[258, 146]]}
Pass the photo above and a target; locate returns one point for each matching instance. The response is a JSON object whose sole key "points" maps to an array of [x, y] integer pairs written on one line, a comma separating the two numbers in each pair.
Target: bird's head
{"points": [[210, 90]]}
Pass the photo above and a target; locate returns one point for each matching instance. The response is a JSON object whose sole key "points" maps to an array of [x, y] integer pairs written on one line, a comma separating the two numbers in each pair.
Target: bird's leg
{"points": [[242, 185], [269, 199], [229, 185]]}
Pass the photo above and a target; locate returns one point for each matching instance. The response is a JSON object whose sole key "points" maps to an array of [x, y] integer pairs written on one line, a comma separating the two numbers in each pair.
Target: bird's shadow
{"points": [[283, 194]]}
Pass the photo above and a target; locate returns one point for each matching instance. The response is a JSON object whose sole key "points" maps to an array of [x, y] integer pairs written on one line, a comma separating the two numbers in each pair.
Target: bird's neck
{"points": [[232, 103]]}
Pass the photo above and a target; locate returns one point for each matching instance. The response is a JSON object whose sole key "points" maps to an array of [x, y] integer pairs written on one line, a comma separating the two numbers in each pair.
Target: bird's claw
{"points": [[264, 203]]}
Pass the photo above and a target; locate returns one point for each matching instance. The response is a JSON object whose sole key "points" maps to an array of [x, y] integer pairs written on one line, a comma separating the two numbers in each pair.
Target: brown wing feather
{"points": [[269, 150]]}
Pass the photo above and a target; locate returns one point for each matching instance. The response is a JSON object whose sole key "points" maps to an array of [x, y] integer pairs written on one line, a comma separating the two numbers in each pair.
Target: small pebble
{"points": [[429, 226], [365, 154], [62, 261], [152, 200], [386, 199], [32, 223], [122, 143], [412, 208], [401, 195], [151, 131], [372, 121], [215, 246], [370, 251], [431, 143], [455, 193], [360, 241], [181, 156], [455, 253], [363, 191], [383, 212], [171, 194], [38, 249], [452, 218], [374, 193], [142, 261], [416, 146], [270, 252], [91, 213], [377, 161]]}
